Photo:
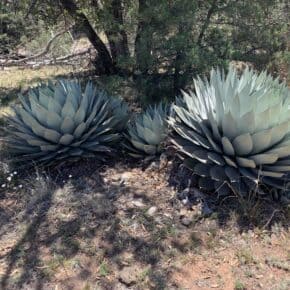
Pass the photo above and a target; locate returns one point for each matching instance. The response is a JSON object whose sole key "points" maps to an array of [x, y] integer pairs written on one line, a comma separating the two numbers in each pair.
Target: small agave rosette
{"points": [[147, 131], [234, 131], [60, 121]]}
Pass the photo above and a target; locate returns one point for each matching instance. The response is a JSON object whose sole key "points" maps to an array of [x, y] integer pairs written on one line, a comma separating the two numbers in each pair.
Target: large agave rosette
{"points": [[55, 122], [234, 131]]}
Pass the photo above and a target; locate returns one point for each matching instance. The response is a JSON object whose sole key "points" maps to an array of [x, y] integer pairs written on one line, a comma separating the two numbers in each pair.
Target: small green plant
{"points": [[147, 131], [144, 274], [87, 286], [245, 257], [51, 266], [56, 122], [239, 286], [104, 269]]}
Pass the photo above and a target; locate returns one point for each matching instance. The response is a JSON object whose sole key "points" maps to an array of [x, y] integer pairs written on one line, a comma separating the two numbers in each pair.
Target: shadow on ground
{"points": [[71, 217], [88, 225]]}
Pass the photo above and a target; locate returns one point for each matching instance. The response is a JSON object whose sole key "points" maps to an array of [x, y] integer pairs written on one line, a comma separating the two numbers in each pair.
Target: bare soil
{"points": [[120, 226]]}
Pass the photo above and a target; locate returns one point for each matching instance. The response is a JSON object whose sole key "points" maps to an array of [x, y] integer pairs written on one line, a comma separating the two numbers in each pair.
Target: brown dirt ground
{"points": [[88, 230]]}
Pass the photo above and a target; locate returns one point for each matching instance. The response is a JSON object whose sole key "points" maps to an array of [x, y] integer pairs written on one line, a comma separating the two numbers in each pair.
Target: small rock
{"points": [[125, 177], [97, 195], [153, 166], [152, 210], [186, 221], [138, 203], [129, 275], [185, 201]]}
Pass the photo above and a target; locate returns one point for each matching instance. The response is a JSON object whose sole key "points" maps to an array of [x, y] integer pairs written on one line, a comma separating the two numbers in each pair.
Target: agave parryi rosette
{"points": [[234, 131]]}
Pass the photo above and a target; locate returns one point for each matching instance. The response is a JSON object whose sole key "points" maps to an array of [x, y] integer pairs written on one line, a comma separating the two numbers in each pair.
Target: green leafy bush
{"points": [[10, 31], [234, 133], [147, 131], [60, 121]]}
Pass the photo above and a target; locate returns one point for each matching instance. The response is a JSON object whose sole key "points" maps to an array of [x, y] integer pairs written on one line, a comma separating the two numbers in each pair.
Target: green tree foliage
{"points": [[164, 43], [26, 21], [257, 29], [11, 27]]}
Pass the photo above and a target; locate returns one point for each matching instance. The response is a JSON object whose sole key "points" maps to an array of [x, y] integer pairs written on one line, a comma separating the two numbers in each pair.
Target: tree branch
{"points": [[71, 55], [206, 23], [58, 60], [85, 26], [40, 54]]}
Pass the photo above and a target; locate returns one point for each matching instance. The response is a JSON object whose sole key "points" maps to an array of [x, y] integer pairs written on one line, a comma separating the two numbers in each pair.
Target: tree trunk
{"points": [[143, 40], [117, 36], [106, 62], [178, 79]]}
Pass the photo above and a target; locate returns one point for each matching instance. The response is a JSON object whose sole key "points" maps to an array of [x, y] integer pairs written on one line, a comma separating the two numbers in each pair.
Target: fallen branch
{"points": [[40, 54], [62, 60], [72, 55]]}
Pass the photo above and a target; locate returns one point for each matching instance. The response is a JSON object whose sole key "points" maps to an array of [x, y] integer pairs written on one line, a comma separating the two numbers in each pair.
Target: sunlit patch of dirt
{"points": [[205, 273]]}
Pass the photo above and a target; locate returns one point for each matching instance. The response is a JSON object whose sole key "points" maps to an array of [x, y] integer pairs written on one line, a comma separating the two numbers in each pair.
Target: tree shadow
{"points": [[74, 216], [29, 243], [73, 205], [25, 254]]}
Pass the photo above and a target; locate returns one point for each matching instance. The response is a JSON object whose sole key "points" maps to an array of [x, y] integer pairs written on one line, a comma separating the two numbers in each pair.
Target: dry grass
{"points": [[15, 80], [14, 77]]}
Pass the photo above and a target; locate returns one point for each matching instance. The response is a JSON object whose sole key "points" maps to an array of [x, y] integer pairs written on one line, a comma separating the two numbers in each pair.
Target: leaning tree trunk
{"points": [[82, 22]]}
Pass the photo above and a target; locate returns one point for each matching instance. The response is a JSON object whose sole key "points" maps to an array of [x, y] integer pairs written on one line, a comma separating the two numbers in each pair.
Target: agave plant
{"points": [[120, 112], [147, 131], [60, 121], [233, 131]]}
